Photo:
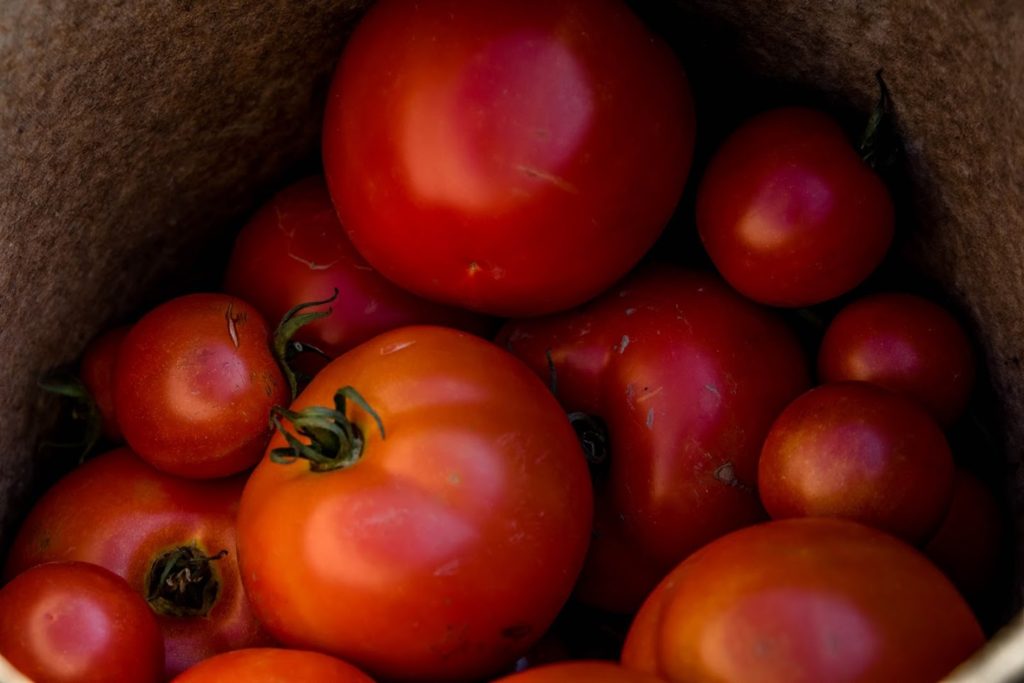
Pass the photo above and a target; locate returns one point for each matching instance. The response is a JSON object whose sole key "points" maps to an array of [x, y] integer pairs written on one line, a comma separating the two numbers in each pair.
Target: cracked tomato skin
{"points": [[446, 550], [194, 384], [688, 377], [803, 601], [273, 665], [514, 158]]}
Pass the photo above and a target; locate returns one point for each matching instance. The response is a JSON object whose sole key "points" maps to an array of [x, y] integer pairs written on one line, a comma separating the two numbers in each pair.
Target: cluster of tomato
{"points": [[435, 494]]}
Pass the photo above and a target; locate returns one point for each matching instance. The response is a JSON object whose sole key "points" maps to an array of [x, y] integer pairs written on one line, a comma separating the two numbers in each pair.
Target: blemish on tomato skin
{"points": [[516, 631], [650, 418]]}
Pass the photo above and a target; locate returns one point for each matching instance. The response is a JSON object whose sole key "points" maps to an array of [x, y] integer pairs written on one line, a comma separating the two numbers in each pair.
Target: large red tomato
{"points": [[803, 601], [118, 512], [510, 157], [437, 544], [273, 665], [789, 213], [687, 377]]}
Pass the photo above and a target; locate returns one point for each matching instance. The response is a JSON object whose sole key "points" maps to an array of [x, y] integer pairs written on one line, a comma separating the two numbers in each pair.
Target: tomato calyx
{"points": [[592, 433], [878, 143], [334, 441], [182, 582], [82, 410], [286, 349]]}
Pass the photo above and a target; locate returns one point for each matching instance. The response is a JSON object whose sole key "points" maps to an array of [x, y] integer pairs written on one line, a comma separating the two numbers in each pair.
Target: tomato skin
{"points": [[514, 158], [688, 377], [789, 213], [76, 622], [861, 452], [118, 512], [904, 343], [803, 600], [271, 665], [194, 384], [97, 372], [294, 251], [580, 672], [452, 543]]}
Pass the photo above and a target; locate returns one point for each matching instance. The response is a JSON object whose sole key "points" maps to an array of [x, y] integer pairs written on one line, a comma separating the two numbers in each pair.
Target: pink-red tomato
{"points": [[294, 251], [442, 545], [118, 512], [803, 601], [273, 665], [514, 158], [789, 213], [74, 622], [97, 373], [858, 451], [194, 384], [687, 376], [904, 343], [581, 672]]}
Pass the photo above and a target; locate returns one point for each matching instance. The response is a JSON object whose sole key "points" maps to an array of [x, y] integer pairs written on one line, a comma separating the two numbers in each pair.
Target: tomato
{"points": [[294, 251], [904, 343], [686, 377], [72, 621], [118, 512], [514, 158], [437, 544], [271, 665], [861, 452], [97, 372], [803, 600], [194, 384], [580, 672], [789, 213]]}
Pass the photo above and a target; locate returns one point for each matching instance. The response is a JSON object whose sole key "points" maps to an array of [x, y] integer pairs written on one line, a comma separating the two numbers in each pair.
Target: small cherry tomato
{"points": [[803, 601], [788, 212], [73, 621], [906, 344], [858, 451], [272, 665], [194, 384], [97, 373], [580, 672]]}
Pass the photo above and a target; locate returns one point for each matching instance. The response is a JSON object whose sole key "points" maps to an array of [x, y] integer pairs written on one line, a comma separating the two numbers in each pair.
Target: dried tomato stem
{"points": [[182, 582]]}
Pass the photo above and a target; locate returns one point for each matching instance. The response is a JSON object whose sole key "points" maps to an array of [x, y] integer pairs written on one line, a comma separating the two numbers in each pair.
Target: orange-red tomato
{"points": [[581, 672], [273, 665], [447, 543]]}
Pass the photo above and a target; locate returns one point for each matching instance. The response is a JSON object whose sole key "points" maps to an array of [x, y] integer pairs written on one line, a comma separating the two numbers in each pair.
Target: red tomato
{"points": [[509, 157], [294, 251], [687, 376], [789, 213], [858, 451], [443, 546], [580, 672], [194, 385], [906, 344], [72, 621], [272, 665], [118, 512], [97, 372], [803, 600]]}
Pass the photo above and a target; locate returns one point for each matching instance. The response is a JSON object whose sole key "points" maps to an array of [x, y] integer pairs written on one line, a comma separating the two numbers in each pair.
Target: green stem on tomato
{"points": [[285, 349]]}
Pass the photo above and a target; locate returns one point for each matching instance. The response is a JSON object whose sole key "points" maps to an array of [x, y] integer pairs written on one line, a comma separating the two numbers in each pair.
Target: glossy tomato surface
{"points": [[510, 157], [803, 601], [194, 384], [446, 550], [904, 343], [97, 372], [789, 213], [118, 512], [581, 672], [858, 451], [294, 251], [273, 665], [687, 377], [75, 622]]}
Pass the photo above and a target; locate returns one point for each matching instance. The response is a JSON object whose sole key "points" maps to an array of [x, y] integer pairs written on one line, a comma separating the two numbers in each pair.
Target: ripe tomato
{"points": [[194, 384], [272, 665], [687, 377], [97, 372], [514, 158], [72, 621], [118, 512], [580, 672], [858, 451], [904, 343], [294, 251], [803, 600], [789, 213], [442, 545]]}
